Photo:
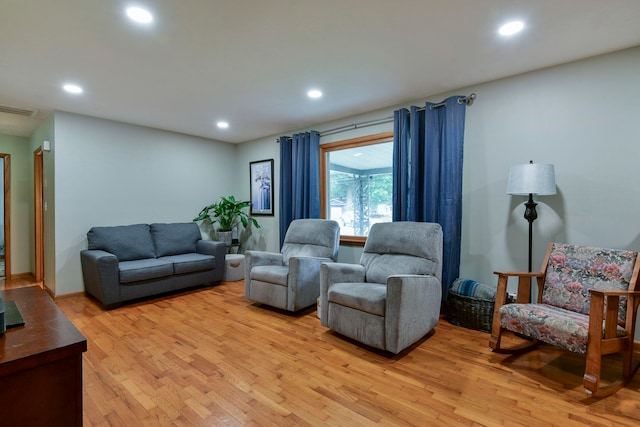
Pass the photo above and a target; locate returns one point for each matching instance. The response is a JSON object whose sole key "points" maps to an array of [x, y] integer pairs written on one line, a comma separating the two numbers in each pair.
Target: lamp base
{"points": [[530, 215]]}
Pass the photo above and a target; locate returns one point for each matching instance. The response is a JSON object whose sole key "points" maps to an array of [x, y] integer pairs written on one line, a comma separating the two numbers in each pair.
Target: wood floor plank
{"points": [[209, 357]]}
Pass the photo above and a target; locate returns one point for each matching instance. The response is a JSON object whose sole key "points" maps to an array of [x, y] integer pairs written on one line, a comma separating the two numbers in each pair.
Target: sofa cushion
{"points": [[175, 238], [144, 269], [126, 242], [189, 263]]}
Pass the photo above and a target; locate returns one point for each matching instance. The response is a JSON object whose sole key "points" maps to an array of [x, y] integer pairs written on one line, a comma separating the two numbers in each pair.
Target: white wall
{"points": [[582, 117], [112, 173], [578, 116]]}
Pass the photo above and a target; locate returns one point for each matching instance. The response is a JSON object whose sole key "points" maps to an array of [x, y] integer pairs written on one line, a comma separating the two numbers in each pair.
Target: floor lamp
{"points": [[529, 179]]}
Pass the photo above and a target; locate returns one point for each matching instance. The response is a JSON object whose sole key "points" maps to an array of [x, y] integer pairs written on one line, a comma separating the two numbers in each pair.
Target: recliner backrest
{"points": [[572, 270], [311, 238], [403, 247]]}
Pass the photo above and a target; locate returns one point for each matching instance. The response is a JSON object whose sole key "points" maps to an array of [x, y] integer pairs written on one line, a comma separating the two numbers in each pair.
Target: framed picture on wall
{"points": [[261, 182]]}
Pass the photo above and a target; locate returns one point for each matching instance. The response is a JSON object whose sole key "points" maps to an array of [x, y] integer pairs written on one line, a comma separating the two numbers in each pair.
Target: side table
{"points": [[234, 267], [40, 364]]}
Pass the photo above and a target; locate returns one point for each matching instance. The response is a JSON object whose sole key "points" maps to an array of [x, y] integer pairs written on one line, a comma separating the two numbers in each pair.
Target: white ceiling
{"points": [[251, 62]]}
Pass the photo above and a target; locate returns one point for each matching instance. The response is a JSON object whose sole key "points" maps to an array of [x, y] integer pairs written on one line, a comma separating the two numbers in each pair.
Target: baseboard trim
{"points": [[71, 295], [23, 276]]}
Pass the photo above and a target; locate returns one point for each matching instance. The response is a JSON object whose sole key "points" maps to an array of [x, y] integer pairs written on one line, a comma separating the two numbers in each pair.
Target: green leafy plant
{"points": [[228, 212]]}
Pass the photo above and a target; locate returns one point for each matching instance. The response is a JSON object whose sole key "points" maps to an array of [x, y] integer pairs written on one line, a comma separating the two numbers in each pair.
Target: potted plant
{"points": [[228, 213]]}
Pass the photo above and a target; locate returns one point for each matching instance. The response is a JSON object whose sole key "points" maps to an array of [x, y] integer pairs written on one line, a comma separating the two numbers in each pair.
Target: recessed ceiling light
{"points": [[72, 88], [140, 15], [222, 125], [314, 93], [511, 28]]}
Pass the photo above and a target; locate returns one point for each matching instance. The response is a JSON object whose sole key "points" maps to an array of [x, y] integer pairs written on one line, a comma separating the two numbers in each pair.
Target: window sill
{"points": [[352, 240]]}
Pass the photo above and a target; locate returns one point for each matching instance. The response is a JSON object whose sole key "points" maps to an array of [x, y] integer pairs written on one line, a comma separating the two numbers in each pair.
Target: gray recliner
{"points": [[289, 280], [392, 298]]}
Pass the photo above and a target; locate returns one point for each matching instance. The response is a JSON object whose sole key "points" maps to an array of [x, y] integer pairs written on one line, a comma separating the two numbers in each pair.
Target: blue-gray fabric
{"points": [[101, 276], [144, 269], [359, 325], [276, 274], [293, 275], [402, 248], [392, 298], [369, 297], [114, 273], [189, 263], [311, 238], [175, 238], [126, 242], [269, 294]]}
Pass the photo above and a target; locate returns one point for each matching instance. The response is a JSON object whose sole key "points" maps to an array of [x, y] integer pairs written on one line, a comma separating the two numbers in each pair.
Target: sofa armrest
{"points": [[216, 249], [336, 272], [412, 309], [101, 276], [211, 247]]}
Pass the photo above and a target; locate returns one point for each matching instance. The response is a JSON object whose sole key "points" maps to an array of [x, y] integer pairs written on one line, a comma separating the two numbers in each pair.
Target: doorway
{"points": [[5, 248]]}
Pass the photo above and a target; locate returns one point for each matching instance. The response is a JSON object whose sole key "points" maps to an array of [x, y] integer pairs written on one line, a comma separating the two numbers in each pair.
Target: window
{"points": [[357, 184]]}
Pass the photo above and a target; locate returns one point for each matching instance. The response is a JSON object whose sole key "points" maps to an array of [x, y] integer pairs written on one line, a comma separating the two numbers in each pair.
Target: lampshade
{"points": [[532, 178]]}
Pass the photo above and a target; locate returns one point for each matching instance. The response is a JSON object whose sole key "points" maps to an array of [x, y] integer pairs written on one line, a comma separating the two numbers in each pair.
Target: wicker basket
{"points": [[470, 312]]}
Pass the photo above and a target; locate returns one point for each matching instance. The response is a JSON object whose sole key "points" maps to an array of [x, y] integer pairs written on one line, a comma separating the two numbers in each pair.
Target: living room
{"points": [[108, 172]]}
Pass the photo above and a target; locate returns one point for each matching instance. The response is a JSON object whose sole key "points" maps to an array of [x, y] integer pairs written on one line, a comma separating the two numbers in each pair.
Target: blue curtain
{"points": [[299, 178], [428, 155]]}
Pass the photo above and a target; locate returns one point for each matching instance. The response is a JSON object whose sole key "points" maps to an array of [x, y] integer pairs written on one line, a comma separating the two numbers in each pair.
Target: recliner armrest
{"points": [[303, 287], [412, 309], [336, 272], [254, 259]]}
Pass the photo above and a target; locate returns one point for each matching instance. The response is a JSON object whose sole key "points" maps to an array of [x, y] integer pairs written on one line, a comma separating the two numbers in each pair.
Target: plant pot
{"points": [[224, 236]]}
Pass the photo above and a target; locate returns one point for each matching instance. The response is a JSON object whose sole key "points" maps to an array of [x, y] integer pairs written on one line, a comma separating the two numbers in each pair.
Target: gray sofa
{"points": [[123, 263]]}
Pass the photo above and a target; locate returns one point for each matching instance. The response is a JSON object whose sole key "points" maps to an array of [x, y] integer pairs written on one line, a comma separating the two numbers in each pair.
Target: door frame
{"points": [[7, 215], [38, 177]]}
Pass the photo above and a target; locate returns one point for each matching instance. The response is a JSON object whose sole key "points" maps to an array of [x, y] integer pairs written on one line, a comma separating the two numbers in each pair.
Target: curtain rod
{"points": [[467, 99]]}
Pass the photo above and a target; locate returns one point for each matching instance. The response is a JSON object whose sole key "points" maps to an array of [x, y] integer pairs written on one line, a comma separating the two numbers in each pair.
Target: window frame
{"points": [[343, 145]]}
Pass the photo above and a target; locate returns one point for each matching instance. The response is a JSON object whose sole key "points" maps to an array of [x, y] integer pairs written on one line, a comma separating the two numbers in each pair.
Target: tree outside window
{"points": [[357, 184]]}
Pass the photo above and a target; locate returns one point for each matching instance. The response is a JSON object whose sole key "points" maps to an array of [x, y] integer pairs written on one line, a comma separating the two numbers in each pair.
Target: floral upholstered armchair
{"points": [[587, 303]]}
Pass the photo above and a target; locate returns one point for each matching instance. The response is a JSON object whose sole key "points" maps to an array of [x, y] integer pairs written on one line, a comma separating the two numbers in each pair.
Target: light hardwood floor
{"points": [[208, 357]]}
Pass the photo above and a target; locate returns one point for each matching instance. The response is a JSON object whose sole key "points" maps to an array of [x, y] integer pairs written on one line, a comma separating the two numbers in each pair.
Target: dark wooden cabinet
{"points": [[40, 364]]}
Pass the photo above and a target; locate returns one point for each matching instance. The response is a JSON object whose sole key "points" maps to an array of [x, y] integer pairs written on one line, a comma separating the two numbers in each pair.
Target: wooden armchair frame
{"points": [[602, 337]]}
